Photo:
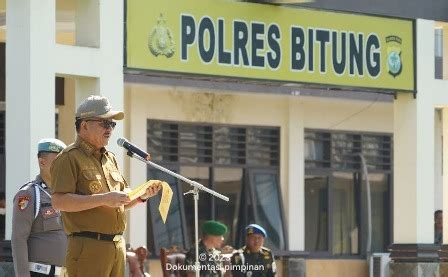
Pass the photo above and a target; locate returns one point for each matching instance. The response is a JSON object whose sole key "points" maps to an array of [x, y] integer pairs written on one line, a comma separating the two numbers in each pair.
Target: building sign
{"points": [[254, 41]]}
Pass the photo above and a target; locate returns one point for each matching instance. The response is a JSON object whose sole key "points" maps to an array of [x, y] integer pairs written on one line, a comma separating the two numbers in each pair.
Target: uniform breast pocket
{"points": [[51, 219], [118, 180], [91, 182]]}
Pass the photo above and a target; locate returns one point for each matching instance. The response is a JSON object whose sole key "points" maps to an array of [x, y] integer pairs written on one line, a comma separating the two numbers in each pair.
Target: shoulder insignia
{"points": [[70, 147], [23, 202], [265, 250], [26, 186], [237, 259]]}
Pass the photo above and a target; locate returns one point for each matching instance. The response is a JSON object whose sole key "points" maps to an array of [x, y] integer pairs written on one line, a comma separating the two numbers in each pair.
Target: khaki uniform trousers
{"points": [[97, 258]]}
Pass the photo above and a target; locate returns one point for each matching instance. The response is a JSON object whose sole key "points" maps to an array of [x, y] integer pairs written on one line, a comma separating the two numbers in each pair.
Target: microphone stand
{"points": [[195, 191]]}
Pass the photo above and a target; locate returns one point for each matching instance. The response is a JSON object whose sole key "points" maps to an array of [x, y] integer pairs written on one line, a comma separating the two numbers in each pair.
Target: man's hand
{"points": [[116, 199], [156, 186]]}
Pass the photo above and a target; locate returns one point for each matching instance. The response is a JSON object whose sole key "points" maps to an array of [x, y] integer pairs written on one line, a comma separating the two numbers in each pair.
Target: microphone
{"points": [[132, 148]]}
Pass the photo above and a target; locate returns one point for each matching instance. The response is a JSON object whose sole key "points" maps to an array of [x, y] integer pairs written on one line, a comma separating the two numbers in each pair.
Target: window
{"points": [[335, 192], [241, 162]]}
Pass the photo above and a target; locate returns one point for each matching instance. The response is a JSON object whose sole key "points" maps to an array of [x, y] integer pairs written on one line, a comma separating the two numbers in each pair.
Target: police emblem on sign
{"points": [[161, 40], [394, 63]]}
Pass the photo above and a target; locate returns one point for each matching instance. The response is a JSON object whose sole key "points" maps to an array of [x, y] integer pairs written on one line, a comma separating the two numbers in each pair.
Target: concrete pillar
{"points": [[137, 174], [413, 252], [438, 181], [413, 169], [445, 173], [87, 20], [33, 59], [445, 51], [30, 90], [296, 177]]}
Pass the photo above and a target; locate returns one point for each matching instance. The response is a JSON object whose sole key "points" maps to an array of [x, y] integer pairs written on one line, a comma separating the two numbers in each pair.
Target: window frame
{"points": [[251, 174], [246, 190], [328, 172]]}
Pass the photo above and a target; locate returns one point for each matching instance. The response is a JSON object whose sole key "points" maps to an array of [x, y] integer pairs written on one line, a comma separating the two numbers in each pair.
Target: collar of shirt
{"points": [[40, 181], [88, 148], [246, 249]]}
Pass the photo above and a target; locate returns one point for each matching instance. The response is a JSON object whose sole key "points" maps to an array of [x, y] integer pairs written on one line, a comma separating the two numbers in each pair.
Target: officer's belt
{"points": [[98, 236], [44, 268]]}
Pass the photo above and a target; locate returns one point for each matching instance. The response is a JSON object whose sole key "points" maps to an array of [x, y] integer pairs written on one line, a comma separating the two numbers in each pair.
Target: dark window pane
{"points": [[2, 132], [379, 191], [200, 175], [56, 127], [345, 214], [170, 233], [245, 216], [266, 193], [316, 213], [228, 181]]}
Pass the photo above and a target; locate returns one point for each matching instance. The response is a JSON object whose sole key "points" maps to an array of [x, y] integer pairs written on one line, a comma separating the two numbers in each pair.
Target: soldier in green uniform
{"points": [[90, 191], [253, 259], [38, 240], [209, 254]]}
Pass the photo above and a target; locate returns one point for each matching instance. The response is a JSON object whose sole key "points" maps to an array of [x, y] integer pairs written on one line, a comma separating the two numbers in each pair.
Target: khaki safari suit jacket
{"points": [[81, 169]]}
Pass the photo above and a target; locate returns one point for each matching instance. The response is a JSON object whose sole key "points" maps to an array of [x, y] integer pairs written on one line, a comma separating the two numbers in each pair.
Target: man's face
{"points": [[254, 242], [45, 161], [217, 241], [97, 131]]}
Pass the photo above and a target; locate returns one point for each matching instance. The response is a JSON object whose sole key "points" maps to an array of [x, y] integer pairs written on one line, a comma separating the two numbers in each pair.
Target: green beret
{"points": [[214, 228], [50, 145]]}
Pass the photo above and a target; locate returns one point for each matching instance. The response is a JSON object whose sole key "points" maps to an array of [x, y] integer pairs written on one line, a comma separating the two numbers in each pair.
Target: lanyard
{"points": [[37, 187]]}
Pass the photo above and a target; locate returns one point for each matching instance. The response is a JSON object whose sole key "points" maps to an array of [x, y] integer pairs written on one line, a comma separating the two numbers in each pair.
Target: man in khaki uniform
{"points": [[89, 190], [38, 240]]}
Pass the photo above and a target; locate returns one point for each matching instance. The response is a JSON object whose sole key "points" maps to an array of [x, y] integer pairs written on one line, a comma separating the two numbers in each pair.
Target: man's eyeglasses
{"points": [[106, 124]]}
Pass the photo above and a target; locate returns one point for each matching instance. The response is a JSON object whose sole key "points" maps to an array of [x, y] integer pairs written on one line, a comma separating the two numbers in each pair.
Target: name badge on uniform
{"points": [[49, 212], [40, 268]]}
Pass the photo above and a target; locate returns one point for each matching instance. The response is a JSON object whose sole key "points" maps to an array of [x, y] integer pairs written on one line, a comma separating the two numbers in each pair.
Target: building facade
{"points": [[275, 107]]}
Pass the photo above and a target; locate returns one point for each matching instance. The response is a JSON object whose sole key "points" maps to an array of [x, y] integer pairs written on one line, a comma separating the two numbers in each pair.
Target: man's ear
{"points": [[84, 125]]}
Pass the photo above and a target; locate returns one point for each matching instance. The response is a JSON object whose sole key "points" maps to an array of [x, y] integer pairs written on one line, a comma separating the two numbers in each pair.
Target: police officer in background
{"points": [[257, 259], [38, 240], [209, 254]]}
